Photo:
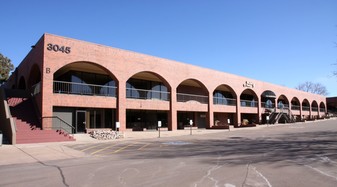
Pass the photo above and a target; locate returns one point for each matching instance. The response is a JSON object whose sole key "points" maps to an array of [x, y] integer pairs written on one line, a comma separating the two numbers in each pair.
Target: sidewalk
{"points": [[40, 152]]}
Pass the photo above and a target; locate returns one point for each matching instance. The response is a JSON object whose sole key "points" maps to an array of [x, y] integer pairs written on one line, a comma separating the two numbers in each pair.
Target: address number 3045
{"points": [[57, 48]]}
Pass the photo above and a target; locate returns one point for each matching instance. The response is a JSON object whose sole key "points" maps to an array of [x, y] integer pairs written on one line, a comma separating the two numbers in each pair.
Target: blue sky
{"points": [[282, 42]]}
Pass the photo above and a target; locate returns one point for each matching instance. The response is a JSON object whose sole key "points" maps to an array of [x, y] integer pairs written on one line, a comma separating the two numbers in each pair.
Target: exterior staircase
{"points": [[283, 116], [28, 128]]}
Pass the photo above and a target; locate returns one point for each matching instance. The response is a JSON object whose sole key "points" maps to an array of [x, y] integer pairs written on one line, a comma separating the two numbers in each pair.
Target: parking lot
{"points": [[302, 154]]}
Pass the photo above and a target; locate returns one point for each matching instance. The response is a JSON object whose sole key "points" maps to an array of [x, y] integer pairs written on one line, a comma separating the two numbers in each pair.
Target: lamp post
{"points": [[191, 123]]}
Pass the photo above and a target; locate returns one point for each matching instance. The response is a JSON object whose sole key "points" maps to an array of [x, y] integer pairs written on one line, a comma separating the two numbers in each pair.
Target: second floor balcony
{"points": [[62, 87]]}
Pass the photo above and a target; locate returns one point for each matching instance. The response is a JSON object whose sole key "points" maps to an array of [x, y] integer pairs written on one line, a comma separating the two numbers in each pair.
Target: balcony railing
{"points": [[295, 107], [282, 106], [224, 101], [246, 103], [267, 105], [147, 94], [181, 97], [83, 89], [322, 109], [306, 108], [315, 109]]}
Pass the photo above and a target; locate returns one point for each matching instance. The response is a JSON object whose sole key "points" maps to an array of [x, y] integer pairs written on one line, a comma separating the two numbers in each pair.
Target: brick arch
{"points": [[87, 66], [149, 75], [305, 103], [249, 92], [285, 101], [34, 76], [225, 87], [22, 83], [193, 83]]}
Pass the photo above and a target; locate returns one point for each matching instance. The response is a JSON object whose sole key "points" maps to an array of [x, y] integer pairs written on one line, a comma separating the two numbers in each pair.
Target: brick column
{"points": [[121, 107], [238, 112], [210, 111], [172, 121]]}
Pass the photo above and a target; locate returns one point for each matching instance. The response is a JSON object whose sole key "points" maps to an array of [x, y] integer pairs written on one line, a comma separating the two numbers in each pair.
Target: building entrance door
{"points": [[80, 121]]}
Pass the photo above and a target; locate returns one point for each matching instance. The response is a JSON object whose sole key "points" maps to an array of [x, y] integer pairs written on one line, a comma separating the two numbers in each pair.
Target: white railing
{"points": [[181, 97], [295, 107], [147, 94], [306, 108], [246, 103], [267, 105], [84, 89], [224, 101]]}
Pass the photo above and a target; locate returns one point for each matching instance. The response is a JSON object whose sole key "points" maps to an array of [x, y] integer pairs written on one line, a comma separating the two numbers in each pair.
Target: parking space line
{"points": [[122, 148], [105, 148], [141, 148], [91, 147]]}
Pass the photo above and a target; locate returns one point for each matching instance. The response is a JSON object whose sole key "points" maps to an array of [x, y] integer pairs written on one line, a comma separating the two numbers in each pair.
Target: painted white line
{"points": [[254, 168], [321, 172]]}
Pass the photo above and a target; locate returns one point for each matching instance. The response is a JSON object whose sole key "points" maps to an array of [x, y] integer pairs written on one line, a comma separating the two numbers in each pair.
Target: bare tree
{"points": [[316, 88]]}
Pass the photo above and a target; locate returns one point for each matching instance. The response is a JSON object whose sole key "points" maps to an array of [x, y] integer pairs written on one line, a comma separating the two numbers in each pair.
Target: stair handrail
{"points": [[64, 122]]}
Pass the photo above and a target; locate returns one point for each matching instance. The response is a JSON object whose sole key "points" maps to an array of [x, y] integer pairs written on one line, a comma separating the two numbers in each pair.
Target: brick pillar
{"points": [[210, 111], [172, 121], [238, 112], [121, 107], [259, 110]]}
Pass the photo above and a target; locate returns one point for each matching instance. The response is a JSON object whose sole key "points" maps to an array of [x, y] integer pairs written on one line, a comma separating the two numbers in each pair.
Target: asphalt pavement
{"points": [[302, 154]]}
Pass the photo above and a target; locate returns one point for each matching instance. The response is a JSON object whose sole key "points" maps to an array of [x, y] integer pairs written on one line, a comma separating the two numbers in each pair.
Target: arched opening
{"points": [[268, 99], [282, 102], [34, 76], [322, 107], [248, 98], [305, 105], [224, 95], [192, 91], [22, 83], [84, 78], [295, 104], [147, 86], [296, 107], [314, 106]]}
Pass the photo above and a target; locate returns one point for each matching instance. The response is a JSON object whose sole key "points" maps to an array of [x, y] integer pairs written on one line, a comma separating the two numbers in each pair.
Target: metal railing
{"points": [[181, 97], [282, 106], [224, 101], [84, 89], [306, 108], [295, 107], [315, 109], [147, 94], [267, 105], [246, 103], [61, 125]]}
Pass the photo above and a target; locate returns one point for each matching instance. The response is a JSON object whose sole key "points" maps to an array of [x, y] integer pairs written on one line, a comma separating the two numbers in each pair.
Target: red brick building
{"points": [[94, 86]]}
